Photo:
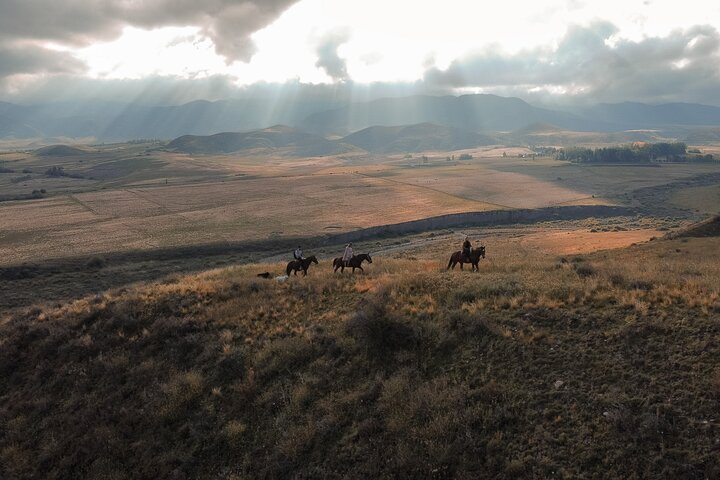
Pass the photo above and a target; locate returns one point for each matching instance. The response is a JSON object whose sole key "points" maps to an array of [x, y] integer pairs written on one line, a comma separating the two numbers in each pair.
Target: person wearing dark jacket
{"points": [[466, 248]]}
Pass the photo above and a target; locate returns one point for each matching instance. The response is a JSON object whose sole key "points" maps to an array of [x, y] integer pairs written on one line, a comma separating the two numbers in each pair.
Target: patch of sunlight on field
{"points": [[584, 241], [481, 183]]}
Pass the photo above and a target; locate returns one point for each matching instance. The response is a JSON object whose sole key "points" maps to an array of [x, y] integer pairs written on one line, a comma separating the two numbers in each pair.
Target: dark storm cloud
{"points": [[229, 23], [31, 59], [328, 58], [680, 66]]}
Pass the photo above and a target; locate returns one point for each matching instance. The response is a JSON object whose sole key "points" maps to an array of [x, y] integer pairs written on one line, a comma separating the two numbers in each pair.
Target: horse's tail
{"points": [[450, 262], [289, 268]]}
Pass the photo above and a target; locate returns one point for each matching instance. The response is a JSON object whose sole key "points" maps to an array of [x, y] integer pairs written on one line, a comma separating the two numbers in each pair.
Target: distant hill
{"points": [[539, 128], [479, 113], [416, 138], [59, 151], [632, 115], [114, 121], [293, 142], [699, 136]]}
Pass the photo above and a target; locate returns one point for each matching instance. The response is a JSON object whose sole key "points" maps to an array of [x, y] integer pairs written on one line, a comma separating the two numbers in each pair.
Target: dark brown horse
{"points": [[354, 262], [475, 256], [297, 265]]}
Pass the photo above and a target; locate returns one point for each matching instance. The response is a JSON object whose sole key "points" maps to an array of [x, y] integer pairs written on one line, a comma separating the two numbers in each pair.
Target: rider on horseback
{"points": [[347, 255], [298, 253], [466, 249]]}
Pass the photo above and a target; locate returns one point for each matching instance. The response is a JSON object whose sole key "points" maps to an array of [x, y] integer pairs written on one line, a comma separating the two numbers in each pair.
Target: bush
{"points": [[618, 280], [377, 332], [95, 263], [585, 270], [55, 171], [283, 355], [23, 178]]}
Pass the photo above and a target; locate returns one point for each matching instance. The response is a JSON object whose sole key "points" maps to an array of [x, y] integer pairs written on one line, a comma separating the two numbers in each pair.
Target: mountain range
{"points": [[486, 114]]}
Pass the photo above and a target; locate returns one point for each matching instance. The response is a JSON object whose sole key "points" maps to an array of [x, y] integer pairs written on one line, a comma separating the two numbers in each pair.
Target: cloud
{"points": [[328, 58], [21, 59], [229, 23], [589, 63]]}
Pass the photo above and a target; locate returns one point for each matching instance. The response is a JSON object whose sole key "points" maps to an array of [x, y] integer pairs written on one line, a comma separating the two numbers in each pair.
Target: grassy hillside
{"points": [[600, 366], [416, 138], [298, 143]]}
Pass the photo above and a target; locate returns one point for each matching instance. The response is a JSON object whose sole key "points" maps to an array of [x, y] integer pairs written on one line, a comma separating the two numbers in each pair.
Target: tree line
{"points": [[643, 153]]}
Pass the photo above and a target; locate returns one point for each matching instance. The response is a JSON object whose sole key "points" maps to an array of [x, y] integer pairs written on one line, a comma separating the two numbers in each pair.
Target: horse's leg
{"points": [[461, 265], [361, 269], [305, 272]]}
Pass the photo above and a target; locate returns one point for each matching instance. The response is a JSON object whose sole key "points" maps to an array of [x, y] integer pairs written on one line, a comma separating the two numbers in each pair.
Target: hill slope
{"points": [[60, 151], [535, 367], [416, 138], [295, 142], [708, 228], [478, 113]]}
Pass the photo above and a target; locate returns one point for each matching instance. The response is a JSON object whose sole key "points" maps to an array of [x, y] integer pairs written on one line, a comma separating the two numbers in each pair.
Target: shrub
{"points": [[230, 367], [283, 354], [504, 288], [95, 263], [20, 179], [181, 393], [641, 285], [377, 332], [585, 270], [618, 280], [55, 171]]}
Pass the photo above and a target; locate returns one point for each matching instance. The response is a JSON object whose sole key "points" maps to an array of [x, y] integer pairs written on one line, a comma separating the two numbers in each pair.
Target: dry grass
{"points": [[701, 199], [601, 365], [125, 204]]}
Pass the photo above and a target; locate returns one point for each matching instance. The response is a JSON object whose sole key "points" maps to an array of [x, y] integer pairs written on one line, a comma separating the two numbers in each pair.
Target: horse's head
{"points": [[481, 251], [367, 257], [313, 259]]}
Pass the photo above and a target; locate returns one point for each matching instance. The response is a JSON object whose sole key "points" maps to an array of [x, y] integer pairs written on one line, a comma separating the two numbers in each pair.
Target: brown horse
{"points": [[297, 265], [354, 262], [475, 256]]}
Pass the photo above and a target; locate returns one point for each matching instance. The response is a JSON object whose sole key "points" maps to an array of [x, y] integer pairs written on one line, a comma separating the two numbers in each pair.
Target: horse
{"points": [[354, 262], [302, 264], [475, 256]]}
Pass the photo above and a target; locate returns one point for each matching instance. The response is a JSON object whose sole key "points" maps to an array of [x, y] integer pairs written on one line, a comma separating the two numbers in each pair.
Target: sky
{"points": [[173, 51]]}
